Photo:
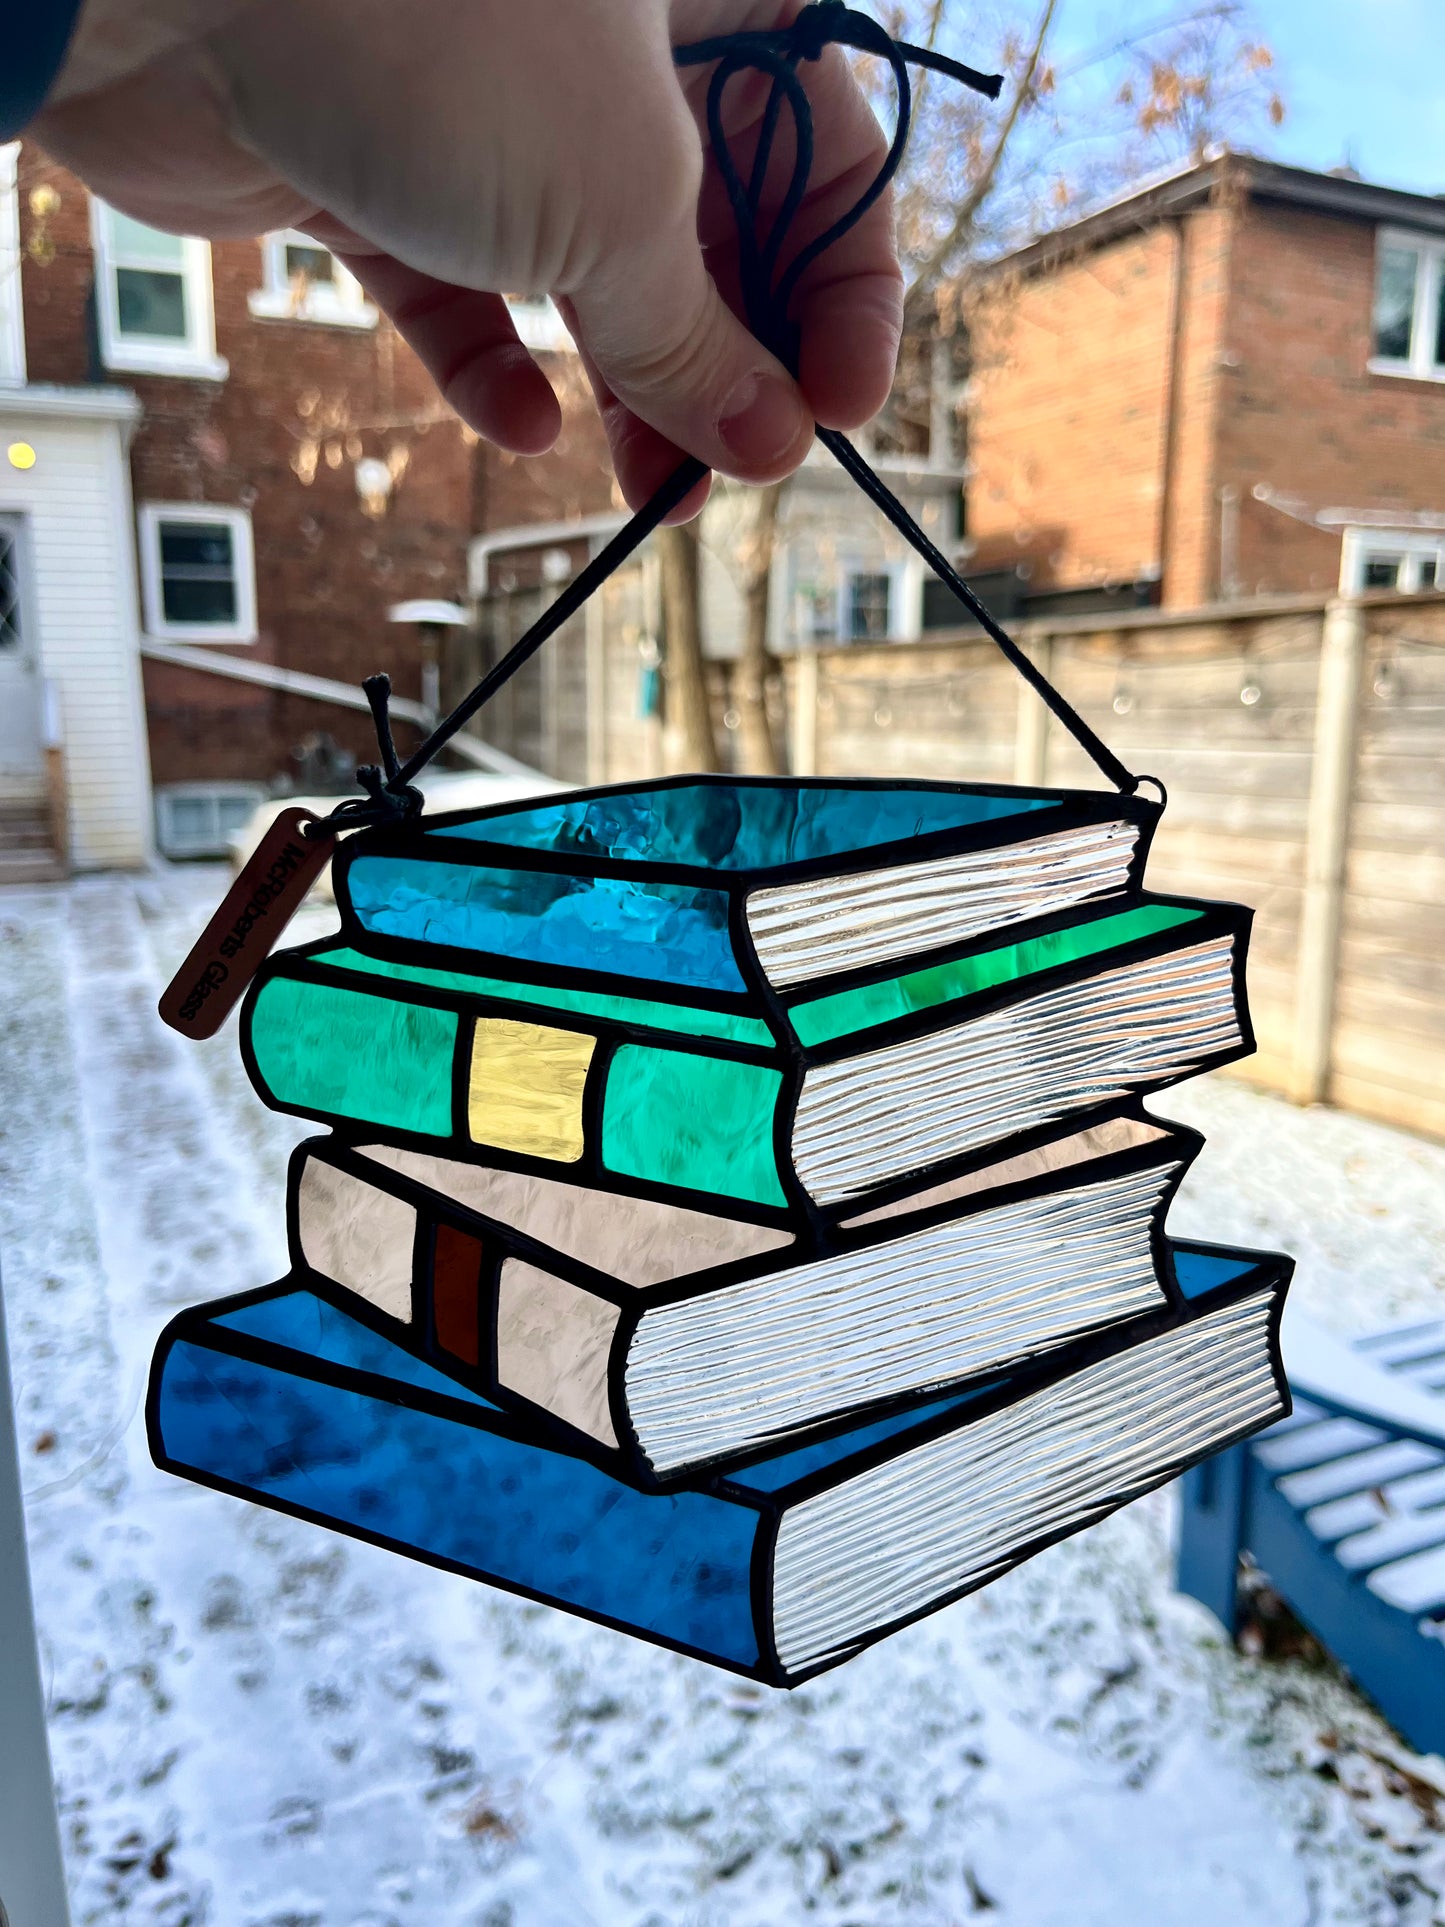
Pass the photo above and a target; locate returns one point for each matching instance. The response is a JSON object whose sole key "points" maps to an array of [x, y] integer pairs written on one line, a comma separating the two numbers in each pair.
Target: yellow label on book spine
{"points": [[524, 1092]]}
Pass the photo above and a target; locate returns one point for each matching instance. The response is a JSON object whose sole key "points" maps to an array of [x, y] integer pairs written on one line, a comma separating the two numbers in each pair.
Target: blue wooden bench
{"points": [[1342, 1507]]}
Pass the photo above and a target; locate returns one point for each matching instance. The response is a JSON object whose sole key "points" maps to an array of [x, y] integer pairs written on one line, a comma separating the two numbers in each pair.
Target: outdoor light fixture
{"points": [[20, 455], [373, 485]]}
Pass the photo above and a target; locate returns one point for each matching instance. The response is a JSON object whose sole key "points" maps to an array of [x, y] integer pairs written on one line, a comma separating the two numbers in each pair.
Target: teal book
{"points": [[779, 1567], [776, 1101]]}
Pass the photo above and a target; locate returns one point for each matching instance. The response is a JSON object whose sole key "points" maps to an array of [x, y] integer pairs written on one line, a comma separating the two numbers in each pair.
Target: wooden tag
{"points": [[241, 935]]}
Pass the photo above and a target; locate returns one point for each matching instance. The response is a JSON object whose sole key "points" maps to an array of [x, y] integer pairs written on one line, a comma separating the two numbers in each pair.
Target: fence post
{"points": [[32, 1875], [805, 713], [1031, 732], [1332, 782]]}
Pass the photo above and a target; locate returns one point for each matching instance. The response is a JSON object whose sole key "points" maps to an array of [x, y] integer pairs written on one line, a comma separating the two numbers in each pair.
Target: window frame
{"points": [[149, 520], [1411, 545], [343, 304], [1429, 250], [195, 358], [12, 297], [899, 628], [178, 847]]}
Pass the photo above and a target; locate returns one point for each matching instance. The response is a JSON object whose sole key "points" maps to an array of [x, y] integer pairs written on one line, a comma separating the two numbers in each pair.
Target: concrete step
{"points": [[27, 839], [29, 833], [30, 866]]}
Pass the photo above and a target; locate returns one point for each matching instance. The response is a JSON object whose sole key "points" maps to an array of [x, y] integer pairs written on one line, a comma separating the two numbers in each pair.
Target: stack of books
{"points": [[739, 1222]]}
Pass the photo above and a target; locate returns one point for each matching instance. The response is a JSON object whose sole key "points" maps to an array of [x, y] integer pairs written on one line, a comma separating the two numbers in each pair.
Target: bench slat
{"points": [[1397, 1498], [1392, 1539], [1397, 1341], [1312, 1445], [1415, 1585], [1354, 1513], [1359, 1470]]}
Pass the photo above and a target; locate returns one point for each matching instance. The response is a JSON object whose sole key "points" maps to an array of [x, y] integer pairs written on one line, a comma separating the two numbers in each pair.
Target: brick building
{"points": [[216, 458], [1229, 383]]}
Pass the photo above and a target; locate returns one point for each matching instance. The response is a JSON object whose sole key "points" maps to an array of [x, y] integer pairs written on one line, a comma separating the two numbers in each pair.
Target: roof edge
{"points": [[1262, 180]]}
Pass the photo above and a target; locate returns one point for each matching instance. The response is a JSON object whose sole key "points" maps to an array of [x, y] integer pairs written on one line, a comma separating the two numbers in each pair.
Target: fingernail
{"points": [[762, 420]]}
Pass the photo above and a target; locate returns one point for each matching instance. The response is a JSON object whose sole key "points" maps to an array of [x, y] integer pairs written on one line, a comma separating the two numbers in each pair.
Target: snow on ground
{"points": [[257, 1723]]}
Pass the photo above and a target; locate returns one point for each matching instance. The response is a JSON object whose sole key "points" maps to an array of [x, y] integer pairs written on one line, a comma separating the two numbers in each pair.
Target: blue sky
{"points": [[1363, 79]]}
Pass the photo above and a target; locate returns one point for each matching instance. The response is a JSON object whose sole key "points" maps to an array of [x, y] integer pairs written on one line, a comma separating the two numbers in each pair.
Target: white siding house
{"points": [[72, 717]]}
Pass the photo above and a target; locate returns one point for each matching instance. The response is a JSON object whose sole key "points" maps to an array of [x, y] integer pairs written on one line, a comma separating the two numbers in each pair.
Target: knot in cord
{"points": [[816, 28], [389, 797], [768, 289]]}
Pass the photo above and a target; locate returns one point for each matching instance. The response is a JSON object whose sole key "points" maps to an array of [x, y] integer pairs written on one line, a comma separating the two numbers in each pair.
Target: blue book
{"points": [[781, 1566], [705, 888]]}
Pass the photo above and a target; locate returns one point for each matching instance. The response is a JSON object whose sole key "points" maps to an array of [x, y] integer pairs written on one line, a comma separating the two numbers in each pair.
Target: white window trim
{"points": [[343, 305], [538, 324], [12, 305], [1420, 364], [1413, 544], [195, 359], [149, 520]]}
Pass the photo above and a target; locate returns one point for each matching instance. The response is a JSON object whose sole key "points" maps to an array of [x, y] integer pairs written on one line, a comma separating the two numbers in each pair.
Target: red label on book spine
{"points": [[241, 935]]}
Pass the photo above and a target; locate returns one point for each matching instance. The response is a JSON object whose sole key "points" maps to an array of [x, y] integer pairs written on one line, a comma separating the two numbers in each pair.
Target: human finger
{"points": [[467, 342], [642, 459]]}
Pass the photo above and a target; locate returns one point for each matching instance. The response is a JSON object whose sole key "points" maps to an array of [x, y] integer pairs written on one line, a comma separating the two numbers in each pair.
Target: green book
{"points": [[771, 1099]]}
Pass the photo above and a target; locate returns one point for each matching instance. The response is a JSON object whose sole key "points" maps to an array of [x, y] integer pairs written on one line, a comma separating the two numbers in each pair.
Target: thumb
{"points": [[670, 349]]}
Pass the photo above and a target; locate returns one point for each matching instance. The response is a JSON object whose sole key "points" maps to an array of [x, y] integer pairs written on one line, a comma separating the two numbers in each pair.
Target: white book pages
{"points": [[880, 1114], [732, 1369], [894, 1540], [803, 930]]}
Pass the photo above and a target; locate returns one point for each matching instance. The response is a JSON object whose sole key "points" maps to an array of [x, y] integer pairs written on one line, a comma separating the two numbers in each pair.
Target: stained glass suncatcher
{"points": [[731, 1186]]}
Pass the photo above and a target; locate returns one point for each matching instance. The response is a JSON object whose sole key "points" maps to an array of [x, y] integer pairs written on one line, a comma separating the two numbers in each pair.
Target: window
{"points": [[198, 578], [1392, 559], [153, 299], [303, 281], [849, 601], [10, 636], [12, 324], [199, 819], [868, 606], [1409, 315]]}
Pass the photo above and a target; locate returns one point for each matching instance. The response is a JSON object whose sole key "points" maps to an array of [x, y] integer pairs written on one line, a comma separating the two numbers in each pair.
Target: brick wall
{"points": [[1066, 418], [326, 572], [1271, 388], [1302, 413], [573, 479]]}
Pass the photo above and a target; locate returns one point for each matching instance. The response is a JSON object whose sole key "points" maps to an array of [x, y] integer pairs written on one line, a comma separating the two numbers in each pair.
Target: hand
{"points": [[450, 150]]}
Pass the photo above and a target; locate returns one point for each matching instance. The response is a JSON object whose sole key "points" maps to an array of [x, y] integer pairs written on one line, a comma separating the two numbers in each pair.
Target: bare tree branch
{"points": [[921, 289]]}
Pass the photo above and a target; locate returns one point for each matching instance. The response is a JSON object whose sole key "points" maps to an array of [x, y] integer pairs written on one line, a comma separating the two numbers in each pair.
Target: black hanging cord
{"points": [[767, 294]]}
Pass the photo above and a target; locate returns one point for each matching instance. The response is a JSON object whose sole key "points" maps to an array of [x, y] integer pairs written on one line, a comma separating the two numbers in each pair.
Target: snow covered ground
{"points": [[256, 1723]]}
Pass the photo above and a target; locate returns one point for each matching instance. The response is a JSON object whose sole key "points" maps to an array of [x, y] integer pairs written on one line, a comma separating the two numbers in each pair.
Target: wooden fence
{"points": [[1302, 744], [1303, 749]]}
